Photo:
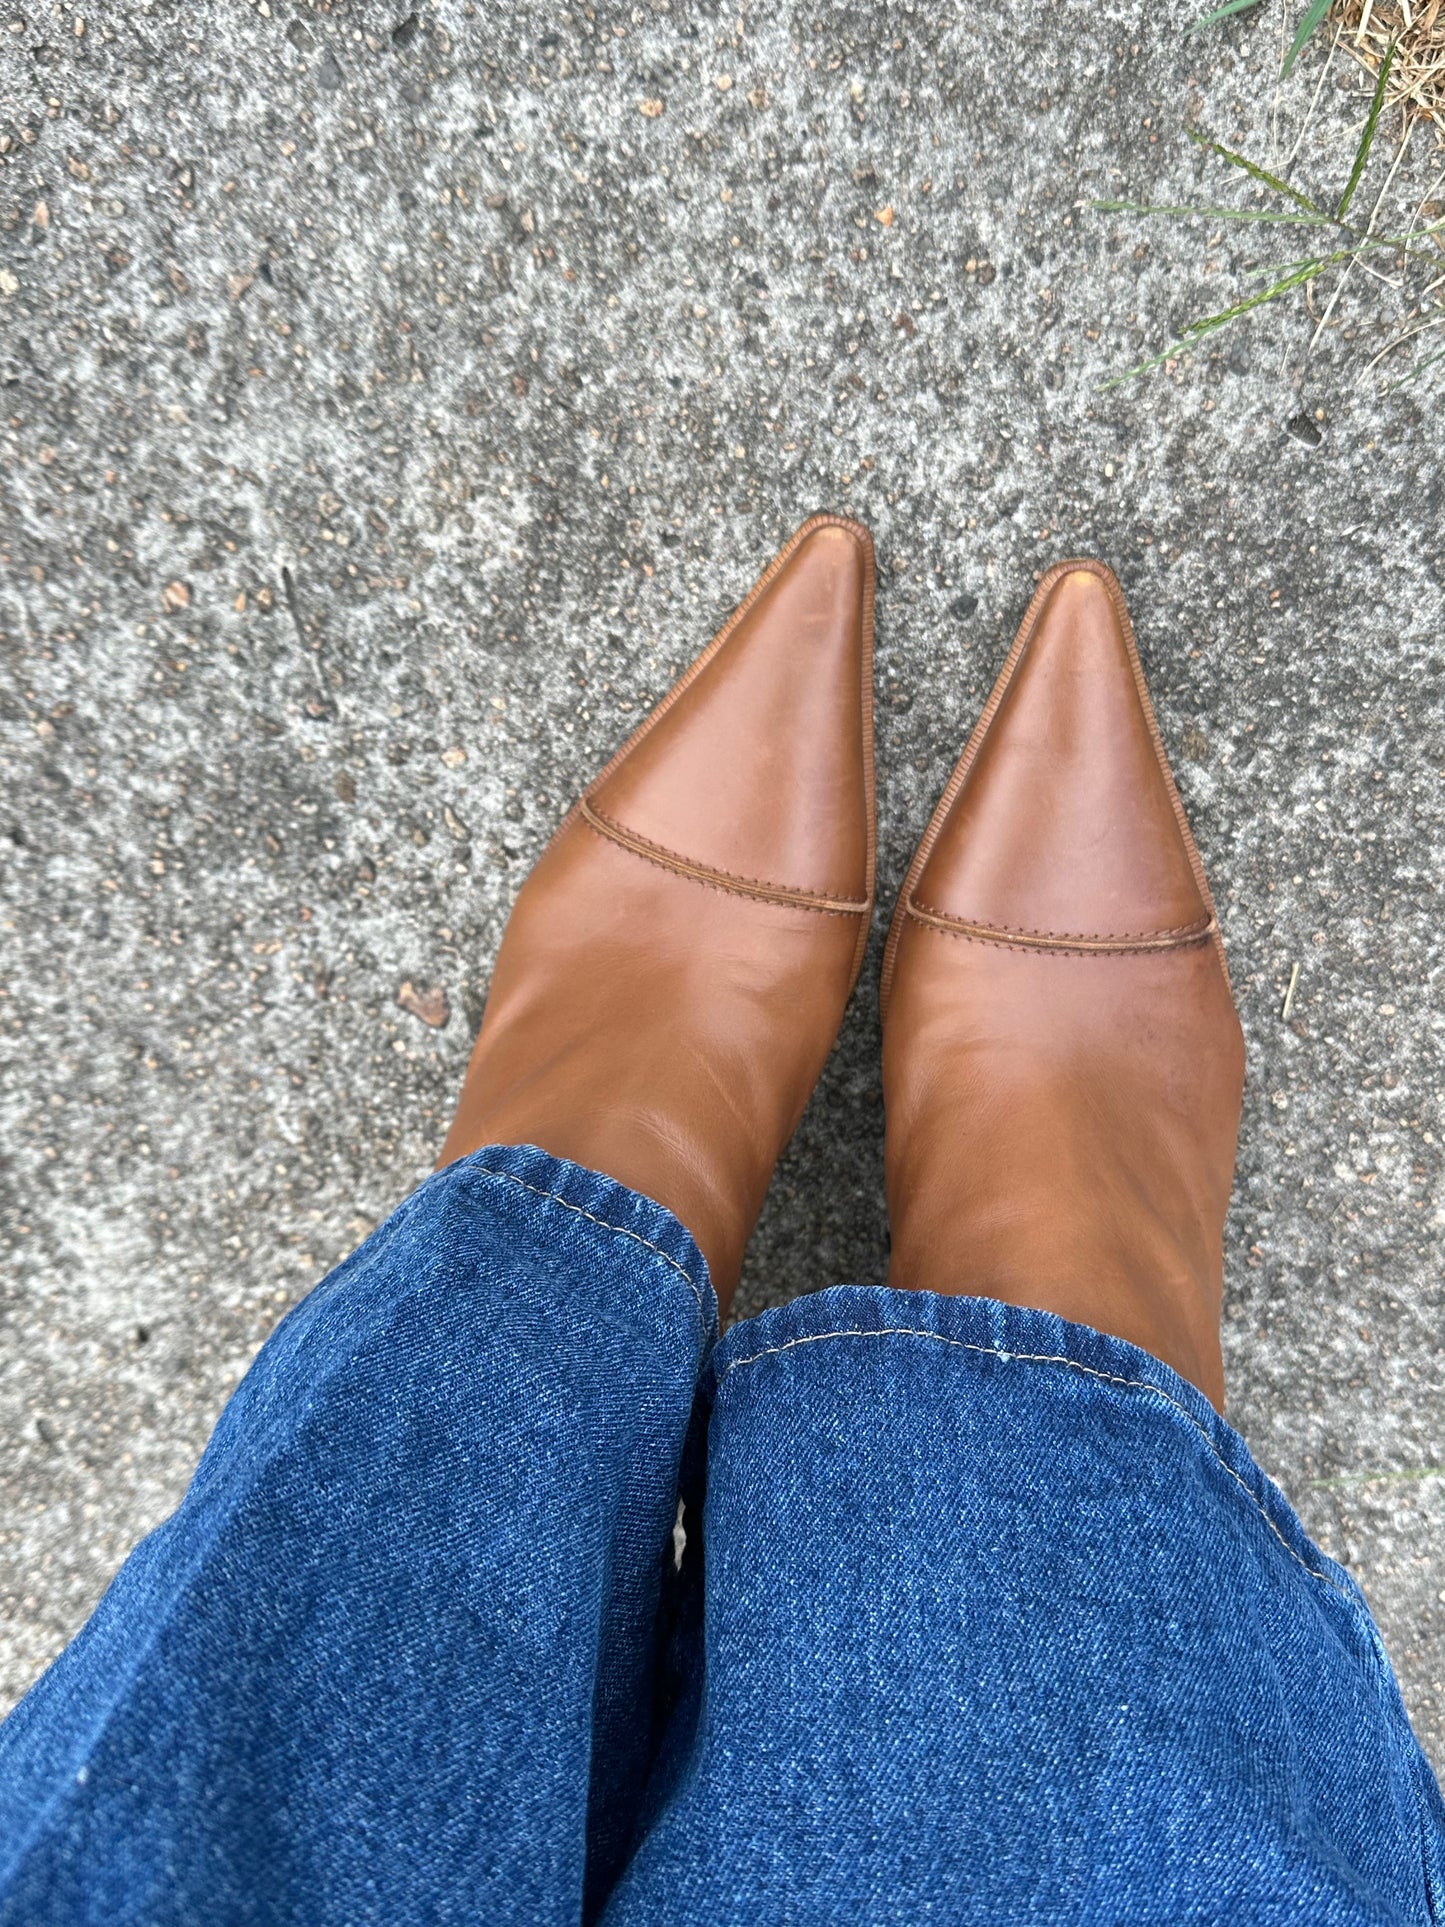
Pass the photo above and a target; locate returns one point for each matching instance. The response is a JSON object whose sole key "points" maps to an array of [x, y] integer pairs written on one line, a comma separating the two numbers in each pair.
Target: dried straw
{"points": [[1417, 78]]}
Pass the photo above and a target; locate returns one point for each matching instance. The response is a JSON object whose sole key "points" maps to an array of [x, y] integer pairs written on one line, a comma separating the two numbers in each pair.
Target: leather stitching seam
{"points": [[1060, 943], [1049, 1358], [704, 873], [1196, 928], [486, 1170]]}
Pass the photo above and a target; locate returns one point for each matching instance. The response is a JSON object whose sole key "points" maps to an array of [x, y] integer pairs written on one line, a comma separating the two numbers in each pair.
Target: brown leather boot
{"points": [[1062, 1062], [674, 972]]}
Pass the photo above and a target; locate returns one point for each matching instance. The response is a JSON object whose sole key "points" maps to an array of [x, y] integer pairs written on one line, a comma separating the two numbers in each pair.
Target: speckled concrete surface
{"points": [[394, 401]]}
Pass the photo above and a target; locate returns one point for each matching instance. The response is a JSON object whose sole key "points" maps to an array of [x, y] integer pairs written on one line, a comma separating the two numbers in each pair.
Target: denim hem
{"points": [[603, 1202], [1022, 1335]]}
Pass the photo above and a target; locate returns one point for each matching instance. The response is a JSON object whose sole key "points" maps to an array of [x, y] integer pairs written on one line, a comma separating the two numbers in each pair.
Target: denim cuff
{"points": [[981, 1339], [636, 1227]]}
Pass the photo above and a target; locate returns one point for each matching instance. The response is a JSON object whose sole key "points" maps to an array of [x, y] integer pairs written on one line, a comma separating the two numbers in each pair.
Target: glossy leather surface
{"points": [[1063, 1065], [676, 966]]}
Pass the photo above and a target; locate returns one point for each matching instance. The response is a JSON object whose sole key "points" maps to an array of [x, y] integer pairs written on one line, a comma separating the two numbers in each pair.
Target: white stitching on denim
{"points": [[1048, 1358], [621, 1229]]}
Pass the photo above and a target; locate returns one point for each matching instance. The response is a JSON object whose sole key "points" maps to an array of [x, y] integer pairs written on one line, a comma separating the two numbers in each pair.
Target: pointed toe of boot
{"points": [[1061, 826], [756, 771]]}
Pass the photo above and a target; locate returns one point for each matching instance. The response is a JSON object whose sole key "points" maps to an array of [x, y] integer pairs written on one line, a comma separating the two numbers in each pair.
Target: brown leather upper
{"points": [[676, 966], [1063, 1065], [756, 770]]}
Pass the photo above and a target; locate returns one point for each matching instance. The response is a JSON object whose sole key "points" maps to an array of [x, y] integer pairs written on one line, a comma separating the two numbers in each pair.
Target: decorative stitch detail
{"points": [[702, 873], [1047, 1358], [621, 1229], [1077, 950], [1200, 927]]}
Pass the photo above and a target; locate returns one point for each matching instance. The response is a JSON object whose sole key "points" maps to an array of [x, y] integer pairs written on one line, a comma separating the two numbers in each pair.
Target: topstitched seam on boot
{"points": [[824, 899], [622, 1231], [710, 879], [1060, 948], [1046, 1358], [1197, 927]]}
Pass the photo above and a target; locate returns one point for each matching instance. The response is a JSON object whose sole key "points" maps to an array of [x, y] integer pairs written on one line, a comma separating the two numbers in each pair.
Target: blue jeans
{"points": [[506, 1593]]}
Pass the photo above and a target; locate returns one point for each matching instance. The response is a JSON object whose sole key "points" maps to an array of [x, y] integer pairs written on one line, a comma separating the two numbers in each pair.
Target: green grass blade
{"points": [[1351, 253], [1367, 139], [1211, 323], [1207, 324], [1276, 217], [1140, 368], [1256, 172], [1223, 13], [1314, 14]]}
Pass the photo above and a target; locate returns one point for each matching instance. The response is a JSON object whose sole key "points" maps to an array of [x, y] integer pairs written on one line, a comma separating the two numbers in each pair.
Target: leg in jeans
{"points": [[1004, 1626], [393, 1658]]}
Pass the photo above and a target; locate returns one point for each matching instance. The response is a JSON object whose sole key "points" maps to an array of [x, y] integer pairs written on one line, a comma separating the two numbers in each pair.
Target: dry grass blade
{"points": [[1417, 32]]}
